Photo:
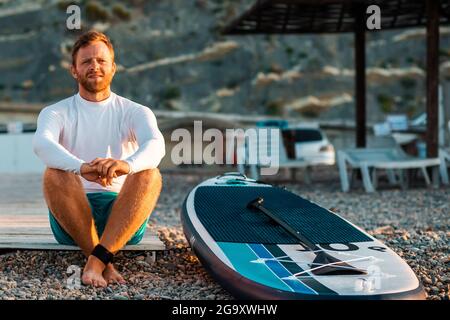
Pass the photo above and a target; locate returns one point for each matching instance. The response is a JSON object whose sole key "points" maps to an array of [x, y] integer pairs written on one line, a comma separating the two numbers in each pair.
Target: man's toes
{"points": [[99, 283], [102, 283], [86, 280], [116, 277], [89, 279], [112, 276], [114, 280]]}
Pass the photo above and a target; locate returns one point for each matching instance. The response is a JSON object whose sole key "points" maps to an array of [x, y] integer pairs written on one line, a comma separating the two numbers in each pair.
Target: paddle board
{"points": [[254, 257]]}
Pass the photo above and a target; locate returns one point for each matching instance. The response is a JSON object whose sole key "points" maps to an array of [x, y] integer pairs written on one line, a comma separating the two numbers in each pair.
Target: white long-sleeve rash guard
{"points": [[75, 131]]}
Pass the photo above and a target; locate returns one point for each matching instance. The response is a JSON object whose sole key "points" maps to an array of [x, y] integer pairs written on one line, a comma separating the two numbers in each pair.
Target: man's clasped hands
{"points": [[104, 170]]}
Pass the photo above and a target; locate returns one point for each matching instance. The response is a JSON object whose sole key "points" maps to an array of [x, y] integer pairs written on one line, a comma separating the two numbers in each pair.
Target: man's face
{"points": [[94, 67]]}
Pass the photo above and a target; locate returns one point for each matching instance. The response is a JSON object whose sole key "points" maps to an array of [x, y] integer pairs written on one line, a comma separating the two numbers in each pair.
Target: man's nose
{"points": [[94, 65]]}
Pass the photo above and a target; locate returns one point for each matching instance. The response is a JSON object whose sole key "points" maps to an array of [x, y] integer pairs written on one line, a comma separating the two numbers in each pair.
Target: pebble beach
{"points": [[413, 222]]}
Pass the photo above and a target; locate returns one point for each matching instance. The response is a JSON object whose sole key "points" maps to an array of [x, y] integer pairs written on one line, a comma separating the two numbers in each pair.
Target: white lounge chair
{"points": [[256, 149], [390, 159], [444, 155]]}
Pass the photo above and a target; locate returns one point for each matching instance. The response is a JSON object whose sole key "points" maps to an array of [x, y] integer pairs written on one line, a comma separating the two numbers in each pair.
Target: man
{"points": [[101, 151]]}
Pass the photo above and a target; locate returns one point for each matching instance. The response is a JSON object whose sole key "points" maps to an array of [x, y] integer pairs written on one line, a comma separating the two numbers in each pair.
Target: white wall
{"points": [[16, 154]]}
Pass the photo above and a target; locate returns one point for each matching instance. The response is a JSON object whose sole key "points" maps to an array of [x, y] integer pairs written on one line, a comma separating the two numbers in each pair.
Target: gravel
{"points": [[414, 223]]}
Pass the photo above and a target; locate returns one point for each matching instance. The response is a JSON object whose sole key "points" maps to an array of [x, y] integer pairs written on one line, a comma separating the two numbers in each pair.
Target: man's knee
{"points": [[57, 177], [151, 176], [154, 175], [54, 174]]}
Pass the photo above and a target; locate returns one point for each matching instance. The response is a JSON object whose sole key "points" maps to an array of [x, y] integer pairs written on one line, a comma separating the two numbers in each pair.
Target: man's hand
{"points": [[103, 171], [110, 168], [90, 173]]}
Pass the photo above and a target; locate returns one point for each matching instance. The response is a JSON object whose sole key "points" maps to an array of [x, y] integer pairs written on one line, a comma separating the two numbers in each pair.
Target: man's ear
{"points": [[73, 71], [114, 67]]}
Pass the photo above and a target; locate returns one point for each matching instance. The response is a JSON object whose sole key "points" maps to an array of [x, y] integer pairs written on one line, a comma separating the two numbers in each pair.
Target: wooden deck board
{"points": [[33, 232], [24, 222]]}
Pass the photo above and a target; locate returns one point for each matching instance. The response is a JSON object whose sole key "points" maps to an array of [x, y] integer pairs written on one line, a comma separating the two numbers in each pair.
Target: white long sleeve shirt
{"points": [[74, 131]]}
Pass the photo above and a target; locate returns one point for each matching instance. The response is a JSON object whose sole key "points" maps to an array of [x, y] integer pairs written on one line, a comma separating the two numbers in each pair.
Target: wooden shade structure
{"points": [[337, 16]]}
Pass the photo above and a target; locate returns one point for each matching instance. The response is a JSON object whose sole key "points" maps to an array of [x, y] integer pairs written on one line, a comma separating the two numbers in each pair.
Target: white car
{"points": [[311, 144]]}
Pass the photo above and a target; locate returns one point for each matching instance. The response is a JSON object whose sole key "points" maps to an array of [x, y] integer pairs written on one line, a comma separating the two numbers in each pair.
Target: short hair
{"points": [[87, 38]]}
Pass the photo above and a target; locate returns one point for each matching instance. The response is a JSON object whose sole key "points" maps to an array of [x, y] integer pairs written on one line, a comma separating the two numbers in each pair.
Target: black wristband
{"points": [[103, 254]]}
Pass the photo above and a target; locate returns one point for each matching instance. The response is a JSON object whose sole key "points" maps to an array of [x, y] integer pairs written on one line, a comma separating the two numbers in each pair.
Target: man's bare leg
{"points": [[64, 194], [136, 200]]}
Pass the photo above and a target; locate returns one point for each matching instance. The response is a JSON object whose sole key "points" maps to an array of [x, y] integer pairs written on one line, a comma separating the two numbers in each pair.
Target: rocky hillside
{"points": [[172, 56]]}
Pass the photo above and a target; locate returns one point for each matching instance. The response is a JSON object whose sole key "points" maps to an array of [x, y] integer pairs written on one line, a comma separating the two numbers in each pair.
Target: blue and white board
{"points": [[254, 258]]}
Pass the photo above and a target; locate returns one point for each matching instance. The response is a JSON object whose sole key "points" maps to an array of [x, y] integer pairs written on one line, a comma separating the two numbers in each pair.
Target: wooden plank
{"points": [[33, 232], [47, 242], [18, 224], [24, 218], [24, 221], [24, 230], [24, 225], [26, 238]]}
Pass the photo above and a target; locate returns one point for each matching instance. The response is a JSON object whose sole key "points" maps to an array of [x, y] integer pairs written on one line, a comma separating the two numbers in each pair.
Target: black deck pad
{"points": [[223, 212]]}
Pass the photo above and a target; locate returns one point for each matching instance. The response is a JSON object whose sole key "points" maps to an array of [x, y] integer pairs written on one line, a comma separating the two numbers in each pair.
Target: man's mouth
{"points": [[94, 76]]}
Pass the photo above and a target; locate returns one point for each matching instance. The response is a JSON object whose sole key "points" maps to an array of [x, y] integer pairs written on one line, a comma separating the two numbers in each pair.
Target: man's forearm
{"points": [[148, 156], [55, 155]]}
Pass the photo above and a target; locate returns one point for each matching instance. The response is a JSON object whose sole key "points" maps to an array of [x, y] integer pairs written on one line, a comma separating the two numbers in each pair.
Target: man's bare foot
{"points": [[111, 275], [92, 273]]}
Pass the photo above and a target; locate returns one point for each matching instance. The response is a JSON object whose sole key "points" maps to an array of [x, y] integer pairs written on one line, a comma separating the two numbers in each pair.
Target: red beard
{"points": [[94, 85]]}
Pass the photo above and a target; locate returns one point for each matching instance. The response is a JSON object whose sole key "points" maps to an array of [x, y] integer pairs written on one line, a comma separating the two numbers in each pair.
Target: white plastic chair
{"points": [[366, 159], [256, 149], [444, 155]]}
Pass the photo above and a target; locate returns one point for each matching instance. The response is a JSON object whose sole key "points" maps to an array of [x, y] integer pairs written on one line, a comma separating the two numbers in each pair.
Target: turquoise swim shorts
{"points": [[101, 204]]}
